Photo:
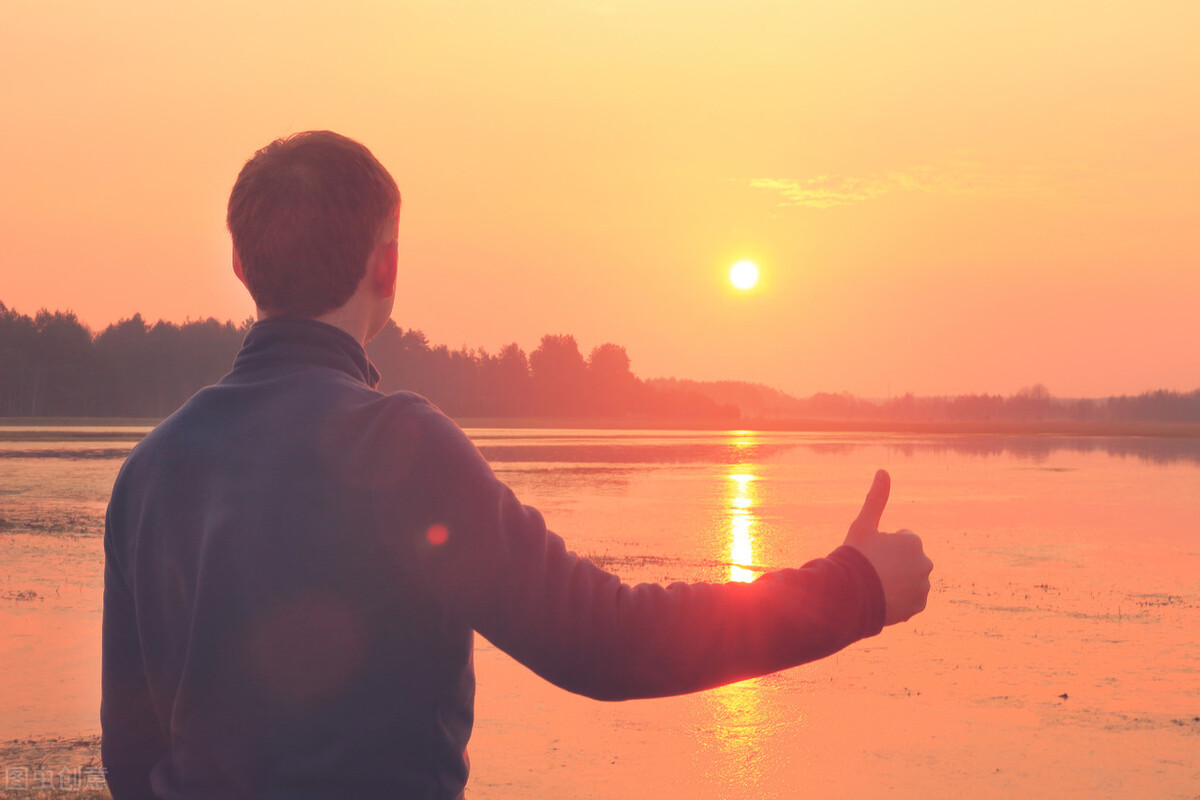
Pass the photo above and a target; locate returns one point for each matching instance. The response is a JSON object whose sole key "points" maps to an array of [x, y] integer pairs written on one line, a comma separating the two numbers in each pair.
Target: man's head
{"points": [[307, 215]]}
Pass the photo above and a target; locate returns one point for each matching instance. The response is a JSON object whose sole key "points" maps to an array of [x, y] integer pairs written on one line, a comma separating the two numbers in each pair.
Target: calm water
{"points": [[1058, 656]]}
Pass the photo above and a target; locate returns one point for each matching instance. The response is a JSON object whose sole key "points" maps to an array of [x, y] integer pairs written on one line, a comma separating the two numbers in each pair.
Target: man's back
{"points": [[247, 529], [295, 564]]}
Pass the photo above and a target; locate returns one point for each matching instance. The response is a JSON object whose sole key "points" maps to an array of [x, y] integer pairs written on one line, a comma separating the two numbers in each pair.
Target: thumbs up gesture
{"points": [[898, 558]]}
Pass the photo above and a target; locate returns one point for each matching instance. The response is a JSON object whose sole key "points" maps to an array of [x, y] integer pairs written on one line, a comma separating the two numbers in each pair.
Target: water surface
{"points": [[1058, 656]]}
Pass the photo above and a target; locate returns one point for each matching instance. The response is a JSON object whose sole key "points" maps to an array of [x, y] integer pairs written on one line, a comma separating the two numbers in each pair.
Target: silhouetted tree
{"points": [[61, 365], [403, 358], [150, 370], [613, 390], [18, 338], [509, 383], [559, 376]]}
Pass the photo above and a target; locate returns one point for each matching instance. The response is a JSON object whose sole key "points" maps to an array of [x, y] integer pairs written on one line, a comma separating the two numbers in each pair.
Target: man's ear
{"points": [[237, 268], [387, 258]]}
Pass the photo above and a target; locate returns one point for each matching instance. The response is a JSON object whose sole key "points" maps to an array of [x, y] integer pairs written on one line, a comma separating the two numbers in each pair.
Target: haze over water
{"points": [[1057, 657]]}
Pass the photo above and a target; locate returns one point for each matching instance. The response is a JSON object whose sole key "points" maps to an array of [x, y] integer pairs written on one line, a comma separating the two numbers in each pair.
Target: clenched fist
{"points": [[898, 558]]}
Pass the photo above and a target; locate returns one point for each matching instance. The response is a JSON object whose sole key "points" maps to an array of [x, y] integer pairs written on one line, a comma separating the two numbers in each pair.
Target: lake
{"points": [[1058, 656]]}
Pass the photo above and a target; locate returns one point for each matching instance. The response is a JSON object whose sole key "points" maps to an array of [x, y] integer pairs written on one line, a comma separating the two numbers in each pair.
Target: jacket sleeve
{"points": [[131, 741], [492, 562]]}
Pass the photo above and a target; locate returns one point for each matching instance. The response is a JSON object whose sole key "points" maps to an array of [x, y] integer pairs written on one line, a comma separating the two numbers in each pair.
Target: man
{"points": [[295, 562]]}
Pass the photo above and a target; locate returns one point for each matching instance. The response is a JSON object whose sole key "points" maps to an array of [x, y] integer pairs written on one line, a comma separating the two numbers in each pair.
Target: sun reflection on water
{"points": [[741, 721], [741, 528], [737, 708]]}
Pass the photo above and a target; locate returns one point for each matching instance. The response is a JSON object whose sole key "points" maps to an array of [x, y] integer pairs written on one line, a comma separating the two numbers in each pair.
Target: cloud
{"points": [[959, 178], [823, 191]]}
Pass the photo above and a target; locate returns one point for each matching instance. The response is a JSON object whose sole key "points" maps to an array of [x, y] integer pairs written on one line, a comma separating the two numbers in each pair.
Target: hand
{"points": [[901, 564]]}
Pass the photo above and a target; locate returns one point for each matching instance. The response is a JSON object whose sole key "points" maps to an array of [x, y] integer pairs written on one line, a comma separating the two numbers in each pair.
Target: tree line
{"points": [[1031, 404], [53, 365]]}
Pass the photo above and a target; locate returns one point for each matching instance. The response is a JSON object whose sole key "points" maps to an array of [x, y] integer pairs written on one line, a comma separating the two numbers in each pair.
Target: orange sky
{"points": [[942, 197]]}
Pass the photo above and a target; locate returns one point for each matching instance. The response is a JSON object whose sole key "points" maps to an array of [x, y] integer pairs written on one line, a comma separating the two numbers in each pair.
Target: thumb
{"points": [[877, 498]]}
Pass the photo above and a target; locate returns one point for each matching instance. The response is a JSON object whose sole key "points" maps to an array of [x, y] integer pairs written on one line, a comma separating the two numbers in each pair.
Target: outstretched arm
{"points": [[497, 568], [585, 630]]}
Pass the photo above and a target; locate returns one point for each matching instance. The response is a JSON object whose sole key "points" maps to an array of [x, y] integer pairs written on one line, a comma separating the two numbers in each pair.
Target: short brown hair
{"points": [[305, 213]]}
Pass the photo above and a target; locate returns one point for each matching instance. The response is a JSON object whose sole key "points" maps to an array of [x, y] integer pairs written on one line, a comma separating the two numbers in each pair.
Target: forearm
{"points": [[584, 630], [688, 637]]}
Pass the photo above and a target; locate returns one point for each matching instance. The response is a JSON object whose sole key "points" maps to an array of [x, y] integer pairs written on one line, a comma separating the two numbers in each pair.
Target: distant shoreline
{"points": [[1173, 430], [78, 422]]}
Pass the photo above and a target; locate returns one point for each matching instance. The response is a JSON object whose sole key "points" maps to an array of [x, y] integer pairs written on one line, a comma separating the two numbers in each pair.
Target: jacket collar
{"points": [[309, 342]]}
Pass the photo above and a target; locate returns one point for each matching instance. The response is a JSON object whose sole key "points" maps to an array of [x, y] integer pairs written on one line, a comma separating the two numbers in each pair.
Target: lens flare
{"points": [[437, 535]]}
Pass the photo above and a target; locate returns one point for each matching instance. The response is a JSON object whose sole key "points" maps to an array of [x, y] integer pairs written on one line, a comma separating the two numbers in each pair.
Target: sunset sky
{"points": [[941, 197]]}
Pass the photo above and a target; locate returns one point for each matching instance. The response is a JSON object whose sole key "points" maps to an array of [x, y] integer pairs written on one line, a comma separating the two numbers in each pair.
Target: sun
{"points": [[743, 275]]}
